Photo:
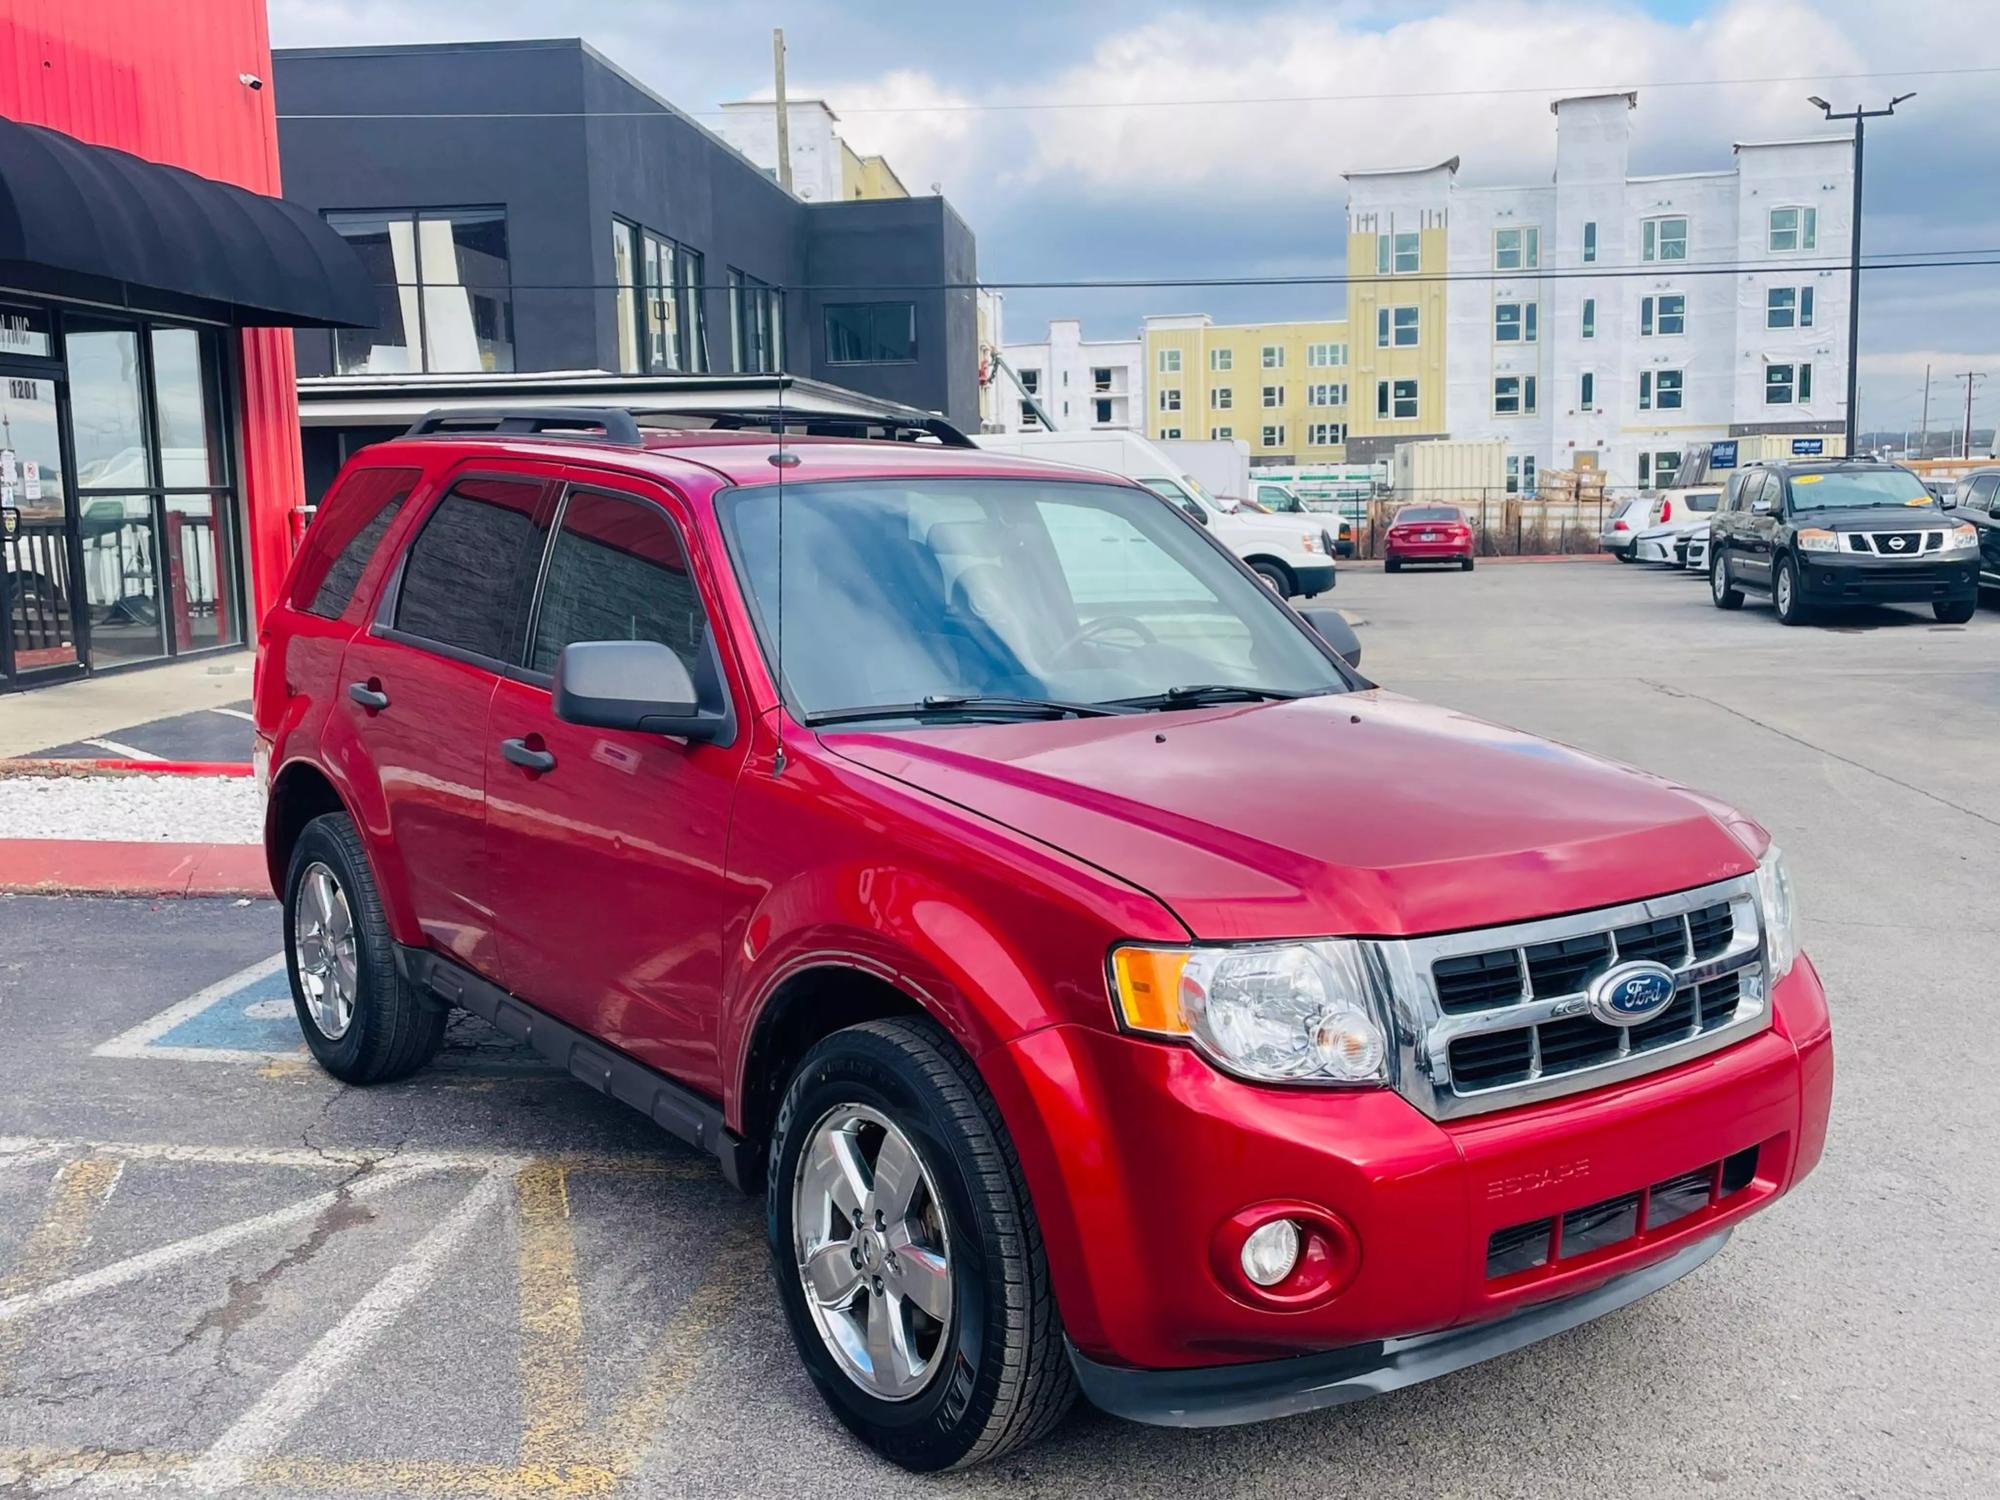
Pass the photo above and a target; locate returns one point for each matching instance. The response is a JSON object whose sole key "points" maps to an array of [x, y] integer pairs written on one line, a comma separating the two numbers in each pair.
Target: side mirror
{"points": [[1195, 510], [1761, 507], [638, 685], [1333, 628]]}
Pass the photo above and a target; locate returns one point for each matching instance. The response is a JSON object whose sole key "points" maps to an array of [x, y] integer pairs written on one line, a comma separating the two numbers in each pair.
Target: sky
{"points": [[1115, 184]]}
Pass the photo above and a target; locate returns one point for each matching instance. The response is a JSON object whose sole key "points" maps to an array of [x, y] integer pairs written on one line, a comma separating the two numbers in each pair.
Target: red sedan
{"points": [[1427, 534]]}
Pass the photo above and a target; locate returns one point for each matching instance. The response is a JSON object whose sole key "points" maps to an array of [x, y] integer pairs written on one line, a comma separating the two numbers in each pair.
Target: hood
{"points": [[1359, 813], [1875, 518]]}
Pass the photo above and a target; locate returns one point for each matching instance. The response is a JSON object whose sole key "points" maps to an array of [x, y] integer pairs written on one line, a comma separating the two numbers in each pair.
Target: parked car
{"points": [[1814, 534], [1977, 500], [1427, 534], [1694, 548], [869, 814], [1678, 513], [1622, 525], [1297, 560]]}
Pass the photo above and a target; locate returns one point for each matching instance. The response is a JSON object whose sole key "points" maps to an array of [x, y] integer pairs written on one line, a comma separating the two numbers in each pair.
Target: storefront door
{"points": [[39, 629]]}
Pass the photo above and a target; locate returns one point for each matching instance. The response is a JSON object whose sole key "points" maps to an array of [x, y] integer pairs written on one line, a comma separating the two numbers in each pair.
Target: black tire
{"points": [[393, 1031], [1719, 590], [1465, 566], [1004, 1376], [1277, 575], [1626, 556], [1955, 611], [1392, 565], [1788, 594]]}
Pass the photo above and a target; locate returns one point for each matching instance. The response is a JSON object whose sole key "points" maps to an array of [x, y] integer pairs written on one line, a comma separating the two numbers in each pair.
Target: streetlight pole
{"points": [[1859, 116]]}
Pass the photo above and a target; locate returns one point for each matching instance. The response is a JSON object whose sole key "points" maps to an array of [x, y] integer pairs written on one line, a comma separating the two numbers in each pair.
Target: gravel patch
{"points": [[137, 809]]}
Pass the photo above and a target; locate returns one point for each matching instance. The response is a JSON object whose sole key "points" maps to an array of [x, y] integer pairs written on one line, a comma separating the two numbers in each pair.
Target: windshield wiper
{"points": [[1193, 694], [949, 705]]}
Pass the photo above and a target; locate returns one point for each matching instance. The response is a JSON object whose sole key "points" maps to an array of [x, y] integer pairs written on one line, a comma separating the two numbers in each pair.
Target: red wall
{"points": [[159, 78]]}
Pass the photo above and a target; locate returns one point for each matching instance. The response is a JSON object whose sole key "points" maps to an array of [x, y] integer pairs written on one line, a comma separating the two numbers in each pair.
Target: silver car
{"points": [[1622, 525]]}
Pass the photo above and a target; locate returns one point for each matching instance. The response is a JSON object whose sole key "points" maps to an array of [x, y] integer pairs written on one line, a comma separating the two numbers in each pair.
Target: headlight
{"points": [[1278, 1013], [1774, 903], [1813, 539], [1962, 539], [1309, 540]]}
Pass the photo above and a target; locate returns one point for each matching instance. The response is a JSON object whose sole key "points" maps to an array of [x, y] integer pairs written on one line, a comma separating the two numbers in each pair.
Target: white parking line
{"points": [[235, 713], [124, 752], [259, 1432], [136, 1042]]}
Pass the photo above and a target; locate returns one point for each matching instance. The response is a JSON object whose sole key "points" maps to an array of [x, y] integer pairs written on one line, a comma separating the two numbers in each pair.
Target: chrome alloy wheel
{"points": [[1718, 575], [1784, 599], [874, 1257], [323, 937]]}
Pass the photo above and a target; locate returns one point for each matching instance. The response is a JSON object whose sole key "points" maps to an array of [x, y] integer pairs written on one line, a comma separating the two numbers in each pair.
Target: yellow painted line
{"points": [[553, 1410], [59, 1237]]}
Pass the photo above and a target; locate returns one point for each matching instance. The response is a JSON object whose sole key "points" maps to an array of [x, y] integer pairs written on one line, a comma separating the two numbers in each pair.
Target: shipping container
{"points": [[1447, 469]]}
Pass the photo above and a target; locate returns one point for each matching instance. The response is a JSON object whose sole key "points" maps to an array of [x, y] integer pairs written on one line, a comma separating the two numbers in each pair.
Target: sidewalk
{"points": [[206, 697]]}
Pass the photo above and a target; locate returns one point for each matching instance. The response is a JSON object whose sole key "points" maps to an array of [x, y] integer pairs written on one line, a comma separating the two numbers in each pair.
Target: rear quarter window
{"points": [[345, 534]]}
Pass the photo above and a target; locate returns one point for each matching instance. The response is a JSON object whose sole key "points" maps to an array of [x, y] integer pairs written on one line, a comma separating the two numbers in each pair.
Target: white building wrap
{"points": [[1081, 383], [1662, 347]]}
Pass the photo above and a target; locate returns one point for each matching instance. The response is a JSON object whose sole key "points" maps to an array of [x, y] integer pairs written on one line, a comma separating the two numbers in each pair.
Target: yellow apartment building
{"points": [[1283, 388], [1396, 305]]}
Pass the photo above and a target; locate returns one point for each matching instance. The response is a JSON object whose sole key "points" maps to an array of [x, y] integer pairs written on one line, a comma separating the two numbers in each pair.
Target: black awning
{"points": [[91, 211]]}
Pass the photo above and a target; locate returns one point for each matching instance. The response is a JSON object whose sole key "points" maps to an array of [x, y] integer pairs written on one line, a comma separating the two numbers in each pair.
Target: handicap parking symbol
{"points": [[247, 1017]]}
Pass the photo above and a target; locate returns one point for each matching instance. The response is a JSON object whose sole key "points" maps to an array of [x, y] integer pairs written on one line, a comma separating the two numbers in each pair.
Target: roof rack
{"points": [[608, 424], [626, 426]]}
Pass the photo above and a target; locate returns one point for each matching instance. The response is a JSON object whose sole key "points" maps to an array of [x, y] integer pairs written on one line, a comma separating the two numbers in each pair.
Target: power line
{"points": [[1224, 101]]}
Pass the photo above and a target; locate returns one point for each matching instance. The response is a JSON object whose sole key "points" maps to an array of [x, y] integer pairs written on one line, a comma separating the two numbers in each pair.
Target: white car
{"points": [[1680, 512], [1696, 558]]}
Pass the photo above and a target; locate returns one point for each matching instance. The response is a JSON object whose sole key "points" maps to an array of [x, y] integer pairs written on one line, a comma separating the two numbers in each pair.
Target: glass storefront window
{"points": [[444, 298], [199, 605], [34, 529], [121, 572], [105, 407], [180, 406]]}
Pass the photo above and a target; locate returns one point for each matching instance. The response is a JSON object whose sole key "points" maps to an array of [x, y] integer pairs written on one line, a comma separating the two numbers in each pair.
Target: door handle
{"points": [[527, 757], [368, 695]]}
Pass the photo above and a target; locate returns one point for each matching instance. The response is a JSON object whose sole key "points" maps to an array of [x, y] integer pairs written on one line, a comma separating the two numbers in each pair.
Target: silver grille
{"points": [[1905, 543], [1494, 1017]]}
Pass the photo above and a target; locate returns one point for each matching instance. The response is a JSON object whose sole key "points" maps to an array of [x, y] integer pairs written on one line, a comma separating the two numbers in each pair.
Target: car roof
{"points": [[746, 458]]}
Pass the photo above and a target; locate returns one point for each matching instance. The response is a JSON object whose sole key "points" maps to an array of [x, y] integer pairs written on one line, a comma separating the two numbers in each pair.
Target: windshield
{"points": [[1166, 489], [898, 591], [1426, 513], [1279, 502], [1839, 489]]}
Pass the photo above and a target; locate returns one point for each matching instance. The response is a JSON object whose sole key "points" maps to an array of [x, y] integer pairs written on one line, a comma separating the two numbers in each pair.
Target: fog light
{"points": [[1271, 1251]]}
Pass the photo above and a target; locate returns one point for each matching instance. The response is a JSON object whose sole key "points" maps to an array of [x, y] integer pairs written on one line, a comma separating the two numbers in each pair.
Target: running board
{"points": [[674, 1107]]}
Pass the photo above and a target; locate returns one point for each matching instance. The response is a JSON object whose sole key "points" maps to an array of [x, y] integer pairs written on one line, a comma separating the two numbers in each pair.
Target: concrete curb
{"points": [[59, 766], [103, 867]]}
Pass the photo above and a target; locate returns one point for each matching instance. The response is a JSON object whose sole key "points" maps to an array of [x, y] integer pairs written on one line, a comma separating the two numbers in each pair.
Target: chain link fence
{"points": [[1503, 524]]}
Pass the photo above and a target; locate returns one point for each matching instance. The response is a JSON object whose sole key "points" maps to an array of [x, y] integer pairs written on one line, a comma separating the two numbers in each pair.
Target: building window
{"points": [[1520, 473], [1513, 395], [1398, 254], [1100, 378], [1326, 395], [1031, 382], [1222, 397], [1222, 359], [871, 333], [1029, 421], [1657, 470], [1221, 434], [1274, 436], [1326, 434], [1396, 327], [1785, 385], [1326, 356], [1101, 412], [659, 297], [1170, 361], [1788, 307], [1664, 315], [1663, 239], [1274, 395], [1396, 400], [1170, 398], [625, 277], [1792, 229], [1589, 246], [1517, 249], [1660, 390], [1590, 317], [1274, 356], [1171, 434], [756, 325], [1586, 391], [1514, 322], [442, 292]]}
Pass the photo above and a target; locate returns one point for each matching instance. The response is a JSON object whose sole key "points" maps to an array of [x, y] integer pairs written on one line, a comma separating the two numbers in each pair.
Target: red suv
{"points": [[869, 813]]}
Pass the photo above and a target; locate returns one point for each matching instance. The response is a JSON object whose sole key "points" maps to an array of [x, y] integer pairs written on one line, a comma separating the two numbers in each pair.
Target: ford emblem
{"points": [[1632, 993]]}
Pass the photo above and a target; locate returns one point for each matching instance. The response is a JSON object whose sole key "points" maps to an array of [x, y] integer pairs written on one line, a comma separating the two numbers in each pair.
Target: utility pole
{"points": [[1858, 116], [1924, 450], [785, 113], [1968, 376]]}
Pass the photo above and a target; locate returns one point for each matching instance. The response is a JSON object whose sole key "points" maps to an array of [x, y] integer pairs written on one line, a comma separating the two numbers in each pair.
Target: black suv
{"points": [[1977, 499], [1837, 532]]}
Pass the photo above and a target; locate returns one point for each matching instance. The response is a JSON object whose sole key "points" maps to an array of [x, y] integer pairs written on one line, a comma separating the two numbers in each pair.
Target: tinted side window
{"points": [[618, 572], [461, 583], [1982, 488], [350, 526]]}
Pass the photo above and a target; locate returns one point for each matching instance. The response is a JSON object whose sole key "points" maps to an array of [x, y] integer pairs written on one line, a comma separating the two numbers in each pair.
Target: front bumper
{"points": [[1222, 1395], [1313, 578], [1136, 1152], [1831, 576]]}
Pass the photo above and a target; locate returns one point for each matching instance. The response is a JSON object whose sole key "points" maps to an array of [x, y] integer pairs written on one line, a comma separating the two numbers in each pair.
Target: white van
{"points": [[1293, 554]]}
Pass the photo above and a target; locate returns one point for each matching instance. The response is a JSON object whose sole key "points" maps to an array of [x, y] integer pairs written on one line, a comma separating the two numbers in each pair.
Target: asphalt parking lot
{"points": [[223, 1272]]}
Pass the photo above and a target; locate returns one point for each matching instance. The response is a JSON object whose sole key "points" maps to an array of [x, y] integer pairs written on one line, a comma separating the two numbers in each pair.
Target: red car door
{"points": [[605, 848], [414, 693]]}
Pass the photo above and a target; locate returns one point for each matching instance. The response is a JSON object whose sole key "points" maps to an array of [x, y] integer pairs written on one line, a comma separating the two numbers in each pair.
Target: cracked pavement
{"points": [[1840, 1345]]}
